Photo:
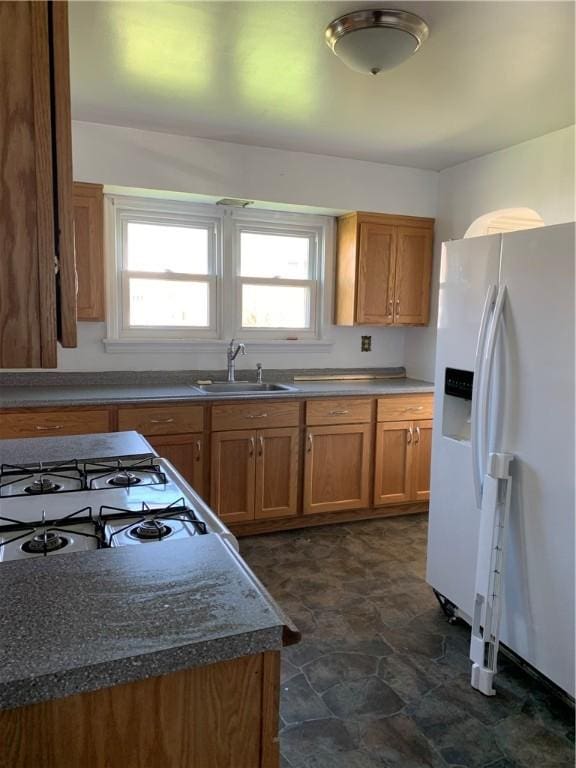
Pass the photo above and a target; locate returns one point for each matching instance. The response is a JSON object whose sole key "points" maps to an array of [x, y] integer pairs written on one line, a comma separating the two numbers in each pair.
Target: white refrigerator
{"points": [[516, 396]]}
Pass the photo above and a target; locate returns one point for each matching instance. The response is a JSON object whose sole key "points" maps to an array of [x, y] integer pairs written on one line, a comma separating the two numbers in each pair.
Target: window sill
{"points": [[121, 346]]}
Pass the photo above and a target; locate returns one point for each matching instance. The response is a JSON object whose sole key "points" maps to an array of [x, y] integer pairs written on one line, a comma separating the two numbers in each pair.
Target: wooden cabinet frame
{"points": [[402, 473], [88, 201], [37, 270], [319, 466], [270, 485], [384, 269], [187, 454], [268, 502]]}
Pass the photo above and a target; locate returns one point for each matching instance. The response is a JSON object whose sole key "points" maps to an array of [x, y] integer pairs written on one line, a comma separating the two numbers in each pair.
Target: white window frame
{"points": [[125, 211], [225, 280], [273, 223]]}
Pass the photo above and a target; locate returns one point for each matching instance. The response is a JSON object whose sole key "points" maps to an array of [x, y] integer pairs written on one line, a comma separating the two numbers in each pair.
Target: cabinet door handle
{"points": [[417, 438], [51, 428], [260, 445], [251, 449], [397, 306], [409, 436], [198, 449], [390, 308], [256, 415], [338, 413], [161, 421], [309, 442]]}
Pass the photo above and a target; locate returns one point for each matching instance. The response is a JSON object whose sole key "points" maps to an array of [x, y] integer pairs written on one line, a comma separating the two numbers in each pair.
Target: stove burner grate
{"points": [[117, 474], [154, 524], [50, 477], [48, 536]]}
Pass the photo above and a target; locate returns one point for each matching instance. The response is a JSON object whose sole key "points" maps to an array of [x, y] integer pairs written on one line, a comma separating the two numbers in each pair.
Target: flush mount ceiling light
{"points": [[372, 41]]}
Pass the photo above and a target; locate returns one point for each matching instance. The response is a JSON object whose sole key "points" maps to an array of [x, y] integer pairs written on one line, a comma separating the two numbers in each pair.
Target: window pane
{"points": [[168, 302], [159, 248], [272, 306], [284, 256]]}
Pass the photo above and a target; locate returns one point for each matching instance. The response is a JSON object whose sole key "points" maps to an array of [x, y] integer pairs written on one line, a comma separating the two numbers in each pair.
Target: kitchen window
{"points": [[277, 279], [183, 272], [168, 280]]}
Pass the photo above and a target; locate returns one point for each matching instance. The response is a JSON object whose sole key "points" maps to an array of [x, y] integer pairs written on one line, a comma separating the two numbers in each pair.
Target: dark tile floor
{"points": [[380, 678]]}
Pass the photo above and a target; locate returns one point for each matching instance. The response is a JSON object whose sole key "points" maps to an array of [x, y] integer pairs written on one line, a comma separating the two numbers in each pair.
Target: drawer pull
{"points": [[413, 408], [256, 415], [161, 421], [338, 413], [39, 428]]}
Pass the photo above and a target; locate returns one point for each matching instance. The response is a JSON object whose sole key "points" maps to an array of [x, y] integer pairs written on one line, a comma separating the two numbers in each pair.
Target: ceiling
{"points": [[492, 74]]}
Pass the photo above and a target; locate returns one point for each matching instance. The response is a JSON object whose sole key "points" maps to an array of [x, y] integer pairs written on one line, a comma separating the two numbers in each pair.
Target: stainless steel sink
{"points": [[240, 387]]}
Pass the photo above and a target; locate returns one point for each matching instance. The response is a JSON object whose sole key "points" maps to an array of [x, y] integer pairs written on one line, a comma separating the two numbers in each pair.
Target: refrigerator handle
{"points": [[487, 365], [478, 450]]}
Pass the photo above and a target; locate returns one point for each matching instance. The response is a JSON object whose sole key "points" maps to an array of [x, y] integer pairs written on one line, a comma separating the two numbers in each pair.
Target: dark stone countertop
{"points": [[66, 394], [97, 446], [78, 622]]}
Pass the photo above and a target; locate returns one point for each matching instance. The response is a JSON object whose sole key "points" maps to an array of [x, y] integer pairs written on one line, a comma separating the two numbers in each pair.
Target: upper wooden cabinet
{"points": [[383, 270], [37, 270], [89, 243]]}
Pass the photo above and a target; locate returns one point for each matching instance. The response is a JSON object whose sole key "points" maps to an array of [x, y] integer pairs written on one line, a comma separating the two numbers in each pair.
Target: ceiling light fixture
{"points": [[372, 41]]}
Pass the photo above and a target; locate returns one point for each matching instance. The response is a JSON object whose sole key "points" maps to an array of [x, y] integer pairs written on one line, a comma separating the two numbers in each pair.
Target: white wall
{"points": [[537, 174], [133, 158]]}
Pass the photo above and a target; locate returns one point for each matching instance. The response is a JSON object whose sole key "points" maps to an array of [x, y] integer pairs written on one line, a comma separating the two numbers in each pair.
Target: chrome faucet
{"points": [[231, 354]]}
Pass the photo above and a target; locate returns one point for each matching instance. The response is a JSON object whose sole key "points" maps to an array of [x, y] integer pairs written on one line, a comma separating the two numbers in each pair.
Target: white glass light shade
{"points": [[375, 40]]}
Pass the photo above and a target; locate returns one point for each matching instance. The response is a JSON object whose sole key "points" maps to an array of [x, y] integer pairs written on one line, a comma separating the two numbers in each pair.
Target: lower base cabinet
{"points": [[215, 716], [254, 474], [337, 468], [402, 465], [186, 452]]}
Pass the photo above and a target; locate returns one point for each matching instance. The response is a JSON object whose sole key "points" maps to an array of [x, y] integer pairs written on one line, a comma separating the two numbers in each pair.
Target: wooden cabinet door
{"points": [[37, 307], [375, 274], [186, 452], [89, 244], [421, 461], [412, 276], [394, 456], [276, 473], [337, 468], [233, 475]]}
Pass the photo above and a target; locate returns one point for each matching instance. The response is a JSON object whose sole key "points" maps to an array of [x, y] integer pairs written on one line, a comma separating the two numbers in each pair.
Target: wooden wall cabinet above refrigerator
{"points": [[37, 269], [384, 266]]}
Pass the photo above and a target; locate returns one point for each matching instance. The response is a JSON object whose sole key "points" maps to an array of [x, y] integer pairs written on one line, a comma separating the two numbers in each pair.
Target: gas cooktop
{"points": [[52, 509]]}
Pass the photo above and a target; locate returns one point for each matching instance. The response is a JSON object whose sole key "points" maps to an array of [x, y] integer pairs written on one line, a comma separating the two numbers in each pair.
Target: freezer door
{"points": [[535, 422], [468, 269]]}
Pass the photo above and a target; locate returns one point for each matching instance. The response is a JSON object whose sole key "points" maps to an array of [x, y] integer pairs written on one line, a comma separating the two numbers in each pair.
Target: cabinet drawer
{"points": [[168, 420], [345, 411], [401, 407], [53, 423], [254, 415]]}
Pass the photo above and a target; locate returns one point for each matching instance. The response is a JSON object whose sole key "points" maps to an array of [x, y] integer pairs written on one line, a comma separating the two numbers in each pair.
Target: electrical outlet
{"points": [[366, 345]]}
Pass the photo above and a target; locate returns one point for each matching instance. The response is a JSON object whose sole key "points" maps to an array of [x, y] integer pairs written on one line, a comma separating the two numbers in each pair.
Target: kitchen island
{"points": [[164, 654]]}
